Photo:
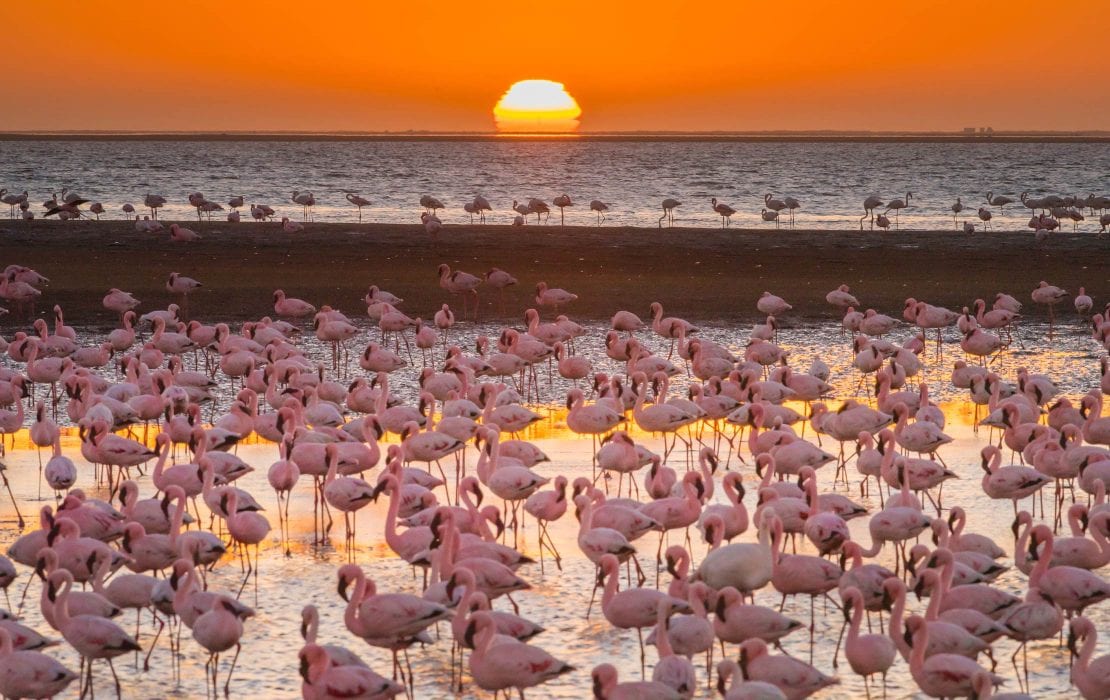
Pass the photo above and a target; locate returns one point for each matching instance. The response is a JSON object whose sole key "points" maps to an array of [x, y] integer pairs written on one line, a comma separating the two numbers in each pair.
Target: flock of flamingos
{"points": [[1053, 209], [738, 432]]}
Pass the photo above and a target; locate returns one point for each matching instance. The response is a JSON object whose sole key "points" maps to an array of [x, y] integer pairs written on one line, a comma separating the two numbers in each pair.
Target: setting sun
{"points": [[537, 105]]}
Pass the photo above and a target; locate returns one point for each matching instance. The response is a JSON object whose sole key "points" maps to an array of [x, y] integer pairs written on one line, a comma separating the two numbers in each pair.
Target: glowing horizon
{"points": [[801, 66]]}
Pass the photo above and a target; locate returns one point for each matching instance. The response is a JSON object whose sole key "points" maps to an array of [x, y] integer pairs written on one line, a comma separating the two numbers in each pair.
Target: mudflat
{"points": [[708, 274]]}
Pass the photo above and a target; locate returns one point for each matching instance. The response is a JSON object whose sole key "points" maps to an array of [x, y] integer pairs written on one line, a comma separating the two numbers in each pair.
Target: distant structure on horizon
{"points": [[982, 131]]}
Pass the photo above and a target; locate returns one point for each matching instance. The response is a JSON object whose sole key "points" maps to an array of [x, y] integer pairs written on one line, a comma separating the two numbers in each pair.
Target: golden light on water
{"points": [[537, 105]]}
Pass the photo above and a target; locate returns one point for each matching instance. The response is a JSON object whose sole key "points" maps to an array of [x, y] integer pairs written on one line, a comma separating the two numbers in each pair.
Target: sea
{"points": [[632, 176]]}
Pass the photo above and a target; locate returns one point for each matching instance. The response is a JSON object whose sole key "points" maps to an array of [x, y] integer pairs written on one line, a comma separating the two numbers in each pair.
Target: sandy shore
{"points": [[698, 273]]}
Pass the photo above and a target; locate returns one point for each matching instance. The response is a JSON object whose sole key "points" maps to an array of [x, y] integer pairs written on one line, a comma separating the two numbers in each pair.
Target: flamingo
{"points": [[724, 210], [633, 608], [1091, 676], [93, 637], [291, 307], [553, 296], [796, 679], [596, 205], [306, 199], [356, 200], [867, 654], [898, 205], [956, 209], [154, 202], [607, 685], [870, 204], [500, 280], [323, 680], [30, 674], [507, 663], [669, 205], [673, 670], [246, 528], [523, 210], [562, 201], [469, 207], [431, 203], [217, 630], [538, 207], [481, 205], [940, 675], [1000, 201], [985, 216], [459, 282], [1049, 295]]}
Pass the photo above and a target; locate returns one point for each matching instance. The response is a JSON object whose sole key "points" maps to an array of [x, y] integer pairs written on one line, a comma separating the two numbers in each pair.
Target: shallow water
{"points": [[831, 180], [558, 600]]}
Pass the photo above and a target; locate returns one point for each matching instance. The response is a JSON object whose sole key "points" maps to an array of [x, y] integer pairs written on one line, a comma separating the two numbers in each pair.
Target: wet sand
{"points": [[708, 274]]}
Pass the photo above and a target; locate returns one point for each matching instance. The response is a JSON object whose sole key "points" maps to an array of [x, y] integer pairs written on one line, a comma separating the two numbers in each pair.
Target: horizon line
{"points": [[978, 134]]}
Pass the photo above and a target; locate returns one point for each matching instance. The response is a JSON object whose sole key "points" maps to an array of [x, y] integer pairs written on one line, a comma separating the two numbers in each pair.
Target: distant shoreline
{"points": [[629, 137]]}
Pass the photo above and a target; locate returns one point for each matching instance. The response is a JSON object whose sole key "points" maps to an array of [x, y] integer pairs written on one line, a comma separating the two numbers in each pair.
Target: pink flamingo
{"points": [[246, 528], [672, 670], [545, 507], [1071, 588], [670, 327], [283, 476], [675, 513], [459, 282], [1049, 295], [218, 630], [724, 210], [632, 608], [734, 516], [1091, 676], [553, 296], [500, 280], [969, 542], [93, 637], [800, 573], [736, 621], [290, 306], [940, 675], [30, 674], [1013, 482], [444, 319], [337, 655], [796, 679], [607, 686], [1080, 551], [508, 663], [324, 681], [1036, 618], [870, 653]]}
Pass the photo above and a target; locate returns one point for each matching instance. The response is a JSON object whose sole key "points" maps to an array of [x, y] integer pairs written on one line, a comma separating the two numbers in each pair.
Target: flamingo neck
{"points": [[1044, 558], [351, 614], [1086, 652], [662, 637], [895, 628], [391, 536], [610, 587], [857, 619], [178, 519], [61, 605]]}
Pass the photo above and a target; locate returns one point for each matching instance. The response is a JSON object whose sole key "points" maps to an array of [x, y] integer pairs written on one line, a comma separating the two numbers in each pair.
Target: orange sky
{"points": [[652, 64]]}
